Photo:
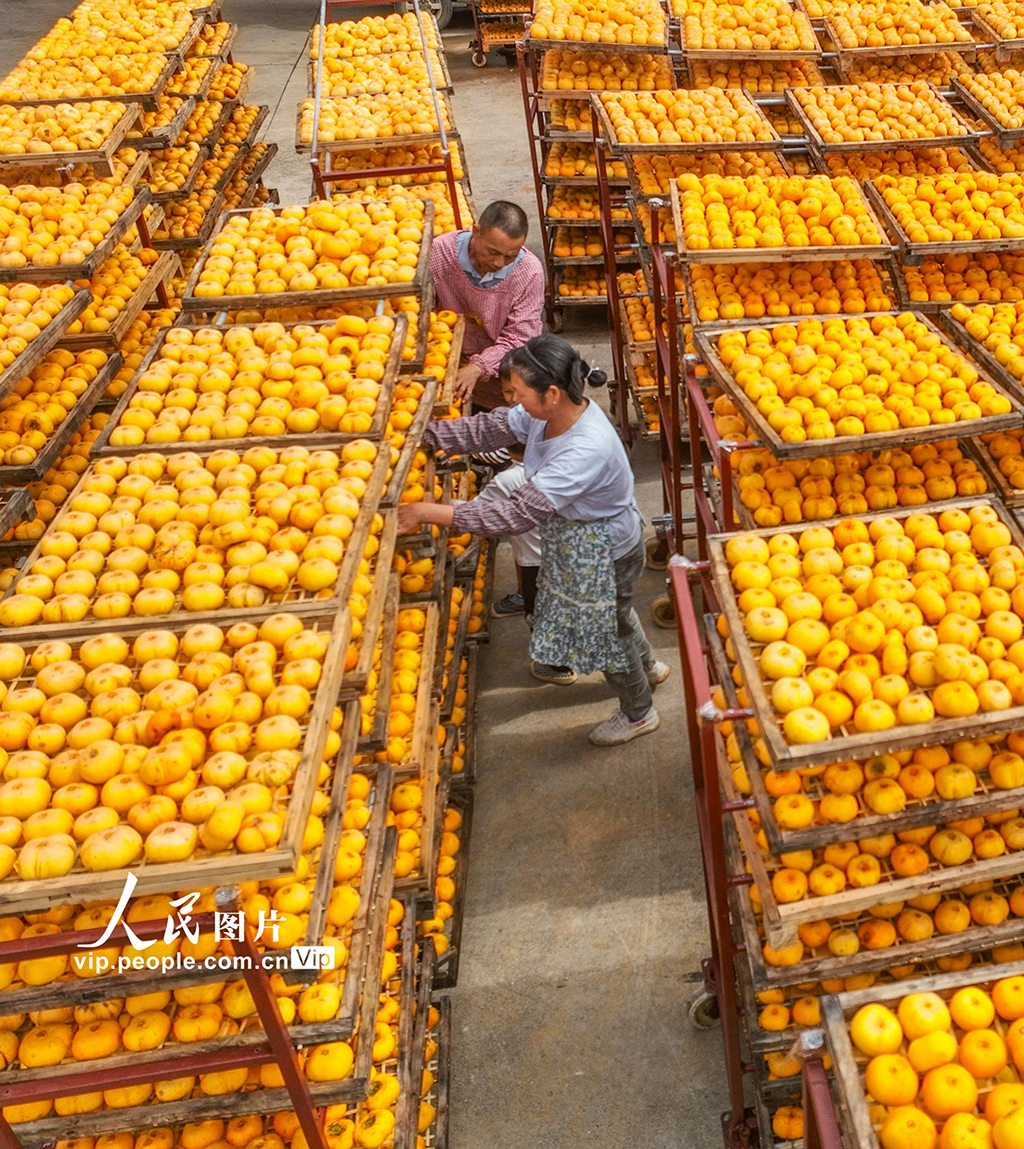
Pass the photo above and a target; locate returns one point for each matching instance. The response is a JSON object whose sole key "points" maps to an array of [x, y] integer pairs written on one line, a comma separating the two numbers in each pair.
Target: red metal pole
{"points": [[821, 1130]]}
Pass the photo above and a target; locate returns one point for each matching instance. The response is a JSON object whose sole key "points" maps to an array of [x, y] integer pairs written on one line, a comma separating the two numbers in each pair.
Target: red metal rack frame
{"points": [[278, 1046], [821, 1130]]}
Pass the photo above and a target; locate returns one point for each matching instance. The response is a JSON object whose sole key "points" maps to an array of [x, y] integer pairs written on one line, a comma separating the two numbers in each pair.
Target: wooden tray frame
{"points": [[428, 301], [88, 268], [458, 654], [243, 147], [1010, 497], [465, 779], [796, 108], [78, 991], [764, 55], [350, 1089], [166, 134], [243, 88], [413, 438], [254, 177], [619, 149], [874, 251], [420, 882], [446, 86], [423, 741], [315, 298], [446, 390], [487, 554], [200, 93], [186, 243], [387, 629], [853, 1111], [51, 336], [325, 147], [354, 681], [542, 45], [1004, 137], [897, 50], [162, 271], [51, 450], [190, 180], [856, 746], [436, 1136], [21, 896], [100, 158], [1003, 48], [217, 130], [225, 49], [319, 440], [303, 608], [149, 100], [875, 441]]}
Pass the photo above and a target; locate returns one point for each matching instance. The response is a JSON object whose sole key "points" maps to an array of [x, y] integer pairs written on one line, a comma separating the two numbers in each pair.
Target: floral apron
{"points": [[574, 621]]}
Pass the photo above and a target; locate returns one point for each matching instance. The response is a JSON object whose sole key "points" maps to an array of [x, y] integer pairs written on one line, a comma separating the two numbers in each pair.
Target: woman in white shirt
{"points": [[579, 493]]}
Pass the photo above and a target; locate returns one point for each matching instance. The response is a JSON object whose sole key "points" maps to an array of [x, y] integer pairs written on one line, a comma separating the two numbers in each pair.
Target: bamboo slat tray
{"points": [[293, 599], [608, 135], [848, 1063], [166, 134], [316, 298], [82, 885], [23, 998], [1003, 48], [376, 143], [100, 158], [1004, 137], [413, 438], [967, 136], [850, 745], [542, 45], [875, 441], [59, 439], [87, 269], [200, 1107], [882, 250], [325, 440], [160, 272]]}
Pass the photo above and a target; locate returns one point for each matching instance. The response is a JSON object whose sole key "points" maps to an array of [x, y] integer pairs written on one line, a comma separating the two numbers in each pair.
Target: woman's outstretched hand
{"points": [[409, 517]]}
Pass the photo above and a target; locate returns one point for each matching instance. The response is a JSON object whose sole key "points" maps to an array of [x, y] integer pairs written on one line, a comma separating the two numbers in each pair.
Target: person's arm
{"points": [[473, 434], [522, 324], [523, 510]]}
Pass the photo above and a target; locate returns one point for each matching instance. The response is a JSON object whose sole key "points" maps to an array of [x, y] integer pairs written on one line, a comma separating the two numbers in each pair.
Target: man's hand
{"points": [[409, 518], [466, 381]]}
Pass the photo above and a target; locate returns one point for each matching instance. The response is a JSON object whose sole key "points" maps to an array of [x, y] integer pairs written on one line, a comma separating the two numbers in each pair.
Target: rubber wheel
{"points": [[654, 560], [663, 613], [479, 59], [557, 321], [703, 1011]]}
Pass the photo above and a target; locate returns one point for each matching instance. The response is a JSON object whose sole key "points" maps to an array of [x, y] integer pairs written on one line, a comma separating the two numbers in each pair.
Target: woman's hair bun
{"points": [[595, 377]]}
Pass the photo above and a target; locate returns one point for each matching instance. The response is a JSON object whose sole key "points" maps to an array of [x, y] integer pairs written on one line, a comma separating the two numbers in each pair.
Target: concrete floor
{"points": [[585, 920]]}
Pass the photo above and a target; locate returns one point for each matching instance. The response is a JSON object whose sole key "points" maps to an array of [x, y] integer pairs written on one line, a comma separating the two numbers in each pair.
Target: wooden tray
{"points": [[413, 438], [386, 629], [100, 158], [448, 963], [1003, 48], [254, 177], [162, 271], [214, 134], [243, 147], [458, 654], [354, 681], [617, 149], [446, 390], [414, 365], [1004, 137], [881, 250], [966, 137], [199, 1108], [243, 86], [326, 440], [445, 85], [188, 242], [88, 268], [315, 298], [860, 745], [436, 1136], [59, 439], [325, 147], [1012, 497], [165, 135], [190, 180], [82, 885], [46, 340], [846, 54], [875, 441], [487, 557], [542, 45], [735, 54], [853, 1112], [148, 100], [204, 86], [303, 604], [420, 882], [225, 48]]}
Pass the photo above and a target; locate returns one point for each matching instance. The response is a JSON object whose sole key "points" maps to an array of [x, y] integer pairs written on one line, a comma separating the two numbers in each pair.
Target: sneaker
{"points": [[508, 606], [559, 675], [618, 729], [657, 672]]}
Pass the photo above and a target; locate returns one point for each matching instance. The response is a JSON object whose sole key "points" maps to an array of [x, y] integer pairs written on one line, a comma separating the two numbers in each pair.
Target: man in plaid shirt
{"points": [[489, 276]]}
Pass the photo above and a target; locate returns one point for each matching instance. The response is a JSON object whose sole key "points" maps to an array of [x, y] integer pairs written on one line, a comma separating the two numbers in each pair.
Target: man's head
{"points": [[498, 236]]}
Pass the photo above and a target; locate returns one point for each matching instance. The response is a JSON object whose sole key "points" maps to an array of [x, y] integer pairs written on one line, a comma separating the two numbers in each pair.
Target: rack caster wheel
{"points": [[703, 1011], [657, 554], [557, 321], [663, 613], [479, 59]]}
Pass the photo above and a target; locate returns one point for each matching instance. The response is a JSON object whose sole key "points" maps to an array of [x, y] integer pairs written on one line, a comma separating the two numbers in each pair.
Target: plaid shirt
{"points": [[524, 509], [499, 317]]}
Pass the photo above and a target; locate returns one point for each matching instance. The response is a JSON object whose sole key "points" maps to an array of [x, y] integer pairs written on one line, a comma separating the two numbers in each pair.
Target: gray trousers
{"points": [[631, 685]]}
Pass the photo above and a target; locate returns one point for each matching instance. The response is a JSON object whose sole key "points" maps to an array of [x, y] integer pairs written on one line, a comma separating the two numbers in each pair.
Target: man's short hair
{"points": [[506, 217]]}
